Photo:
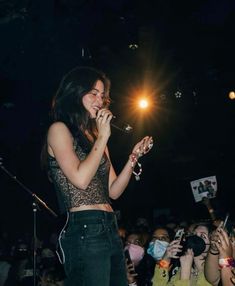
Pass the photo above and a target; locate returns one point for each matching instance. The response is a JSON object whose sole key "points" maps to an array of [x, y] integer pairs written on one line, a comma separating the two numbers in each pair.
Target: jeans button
{"points": [[85, 226]]}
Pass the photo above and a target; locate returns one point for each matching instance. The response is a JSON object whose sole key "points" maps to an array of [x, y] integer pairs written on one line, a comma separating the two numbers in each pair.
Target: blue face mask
{"points": [[157, 249]]}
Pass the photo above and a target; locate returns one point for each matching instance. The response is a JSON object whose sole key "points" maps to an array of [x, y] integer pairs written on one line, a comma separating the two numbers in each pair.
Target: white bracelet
{"points": [[133, 284], [133, 161]]}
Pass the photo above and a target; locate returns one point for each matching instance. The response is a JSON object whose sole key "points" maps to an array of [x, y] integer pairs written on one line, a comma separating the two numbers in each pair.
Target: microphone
{"points": [[125, 127]]}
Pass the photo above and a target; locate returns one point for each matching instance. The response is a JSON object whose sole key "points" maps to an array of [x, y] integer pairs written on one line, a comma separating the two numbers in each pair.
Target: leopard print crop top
{"points": [[96, 193]]}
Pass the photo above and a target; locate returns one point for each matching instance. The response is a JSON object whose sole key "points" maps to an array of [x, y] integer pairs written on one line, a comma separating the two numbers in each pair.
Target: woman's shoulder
{"points": [[59, 130], [58, 127]]}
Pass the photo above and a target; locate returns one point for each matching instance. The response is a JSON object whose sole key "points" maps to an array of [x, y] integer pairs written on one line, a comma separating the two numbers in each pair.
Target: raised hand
{"points": [[131, 274], [186, 262], [172, 250], [143, 147], [223, 244], [103, 119]]}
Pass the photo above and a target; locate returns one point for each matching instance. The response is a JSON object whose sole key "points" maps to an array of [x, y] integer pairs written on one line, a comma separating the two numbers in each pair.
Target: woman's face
{"points": [[93, 100], [202, 231], [161, 234], [133, 239]]}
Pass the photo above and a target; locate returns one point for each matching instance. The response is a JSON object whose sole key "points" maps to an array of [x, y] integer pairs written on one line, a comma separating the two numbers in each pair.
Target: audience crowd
{"points": [[180, 253]]}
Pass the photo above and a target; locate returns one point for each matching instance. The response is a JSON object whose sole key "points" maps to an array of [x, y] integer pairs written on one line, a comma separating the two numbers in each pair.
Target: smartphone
{"points": [[179, 234], [225, 221], [129, 261], [127, 255]]}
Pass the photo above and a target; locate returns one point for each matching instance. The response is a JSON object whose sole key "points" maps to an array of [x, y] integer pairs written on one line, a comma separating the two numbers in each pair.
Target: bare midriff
{"points": [[101, 207]]}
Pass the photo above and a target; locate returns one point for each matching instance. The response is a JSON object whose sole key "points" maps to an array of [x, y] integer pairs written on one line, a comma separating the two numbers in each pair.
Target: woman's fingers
{"points": [[103, 117], [174, 248], [144, 146], [103, 114]]}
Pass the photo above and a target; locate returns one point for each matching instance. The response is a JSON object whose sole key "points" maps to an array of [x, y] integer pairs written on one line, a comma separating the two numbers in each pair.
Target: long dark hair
{"points": [[67, 103]]}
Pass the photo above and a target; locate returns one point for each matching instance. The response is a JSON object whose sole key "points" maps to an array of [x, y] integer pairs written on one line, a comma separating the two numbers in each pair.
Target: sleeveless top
{"points": [[97, 191]]}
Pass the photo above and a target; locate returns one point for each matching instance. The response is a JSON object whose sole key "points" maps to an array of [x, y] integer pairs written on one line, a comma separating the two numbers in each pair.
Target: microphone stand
{"points": [[36, 201]]}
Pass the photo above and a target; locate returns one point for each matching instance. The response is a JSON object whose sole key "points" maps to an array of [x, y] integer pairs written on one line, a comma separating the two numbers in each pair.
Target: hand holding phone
{"points": [[225, 221], [127, 255], [179, 234], [130, 265], [131, 274]]}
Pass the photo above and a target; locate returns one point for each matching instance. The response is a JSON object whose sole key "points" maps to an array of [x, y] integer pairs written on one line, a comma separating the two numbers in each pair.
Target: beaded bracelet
{"points": [[226, 262], [134, 161], [163, 264]]}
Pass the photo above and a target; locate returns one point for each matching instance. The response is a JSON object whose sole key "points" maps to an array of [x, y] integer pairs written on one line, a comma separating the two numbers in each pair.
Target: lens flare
{"points": [[232, 95], [143, 103]]}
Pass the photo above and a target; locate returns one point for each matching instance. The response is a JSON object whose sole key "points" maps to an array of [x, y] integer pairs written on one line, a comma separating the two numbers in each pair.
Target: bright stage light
{"points": [[231, 95], [143, 103]]}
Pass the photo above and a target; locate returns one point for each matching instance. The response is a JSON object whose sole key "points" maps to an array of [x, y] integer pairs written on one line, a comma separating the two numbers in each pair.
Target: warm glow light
{"points": [[143, 103], [232, 95]]}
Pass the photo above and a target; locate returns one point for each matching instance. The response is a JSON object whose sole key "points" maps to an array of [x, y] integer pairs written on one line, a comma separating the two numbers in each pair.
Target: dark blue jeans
{"points": [[93, 250]]}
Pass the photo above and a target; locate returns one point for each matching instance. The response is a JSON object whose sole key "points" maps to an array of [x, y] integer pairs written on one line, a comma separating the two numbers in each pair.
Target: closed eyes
{"points": [[96, 92]]}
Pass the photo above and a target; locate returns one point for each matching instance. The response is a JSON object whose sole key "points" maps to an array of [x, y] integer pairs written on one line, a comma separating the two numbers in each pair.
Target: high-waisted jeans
{"points": [[93, 251]]}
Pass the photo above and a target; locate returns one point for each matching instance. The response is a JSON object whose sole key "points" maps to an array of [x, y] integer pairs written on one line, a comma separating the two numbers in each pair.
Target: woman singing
{"points": [[80, 168]]}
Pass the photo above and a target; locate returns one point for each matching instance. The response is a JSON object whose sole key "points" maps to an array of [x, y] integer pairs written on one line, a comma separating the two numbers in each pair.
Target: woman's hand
{"points": [[223, 244], [187, 258], [131, 274], [213, 238], [186, 262], [172, 250], [143, 147], [103, 119]]}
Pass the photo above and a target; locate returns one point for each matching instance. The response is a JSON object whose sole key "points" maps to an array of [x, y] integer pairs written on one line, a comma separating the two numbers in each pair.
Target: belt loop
{"points": [[105, 218]]}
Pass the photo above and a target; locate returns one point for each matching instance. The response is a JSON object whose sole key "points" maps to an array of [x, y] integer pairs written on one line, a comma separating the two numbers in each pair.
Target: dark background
{"points": [[184, 46]]}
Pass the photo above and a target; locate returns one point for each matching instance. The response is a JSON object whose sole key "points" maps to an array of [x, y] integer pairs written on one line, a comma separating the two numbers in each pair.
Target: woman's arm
{"points": [[60, 145], [117, 184], [172, 251], [211, 268], [186, 262], [226, 261]]}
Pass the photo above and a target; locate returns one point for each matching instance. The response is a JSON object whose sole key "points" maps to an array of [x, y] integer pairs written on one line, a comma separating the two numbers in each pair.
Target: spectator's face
{"points": [[202, 232], [133, 239], [161, 234]]}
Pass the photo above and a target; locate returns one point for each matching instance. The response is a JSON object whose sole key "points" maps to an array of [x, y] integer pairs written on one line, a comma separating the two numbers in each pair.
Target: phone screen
{"points": [[129, 261], [179, 234], [225, 221]]}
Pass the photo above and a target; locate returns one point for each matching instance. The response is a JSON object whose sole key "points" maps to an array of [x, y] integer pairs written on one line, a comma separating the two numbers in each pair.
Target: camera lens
{"points": [[196, 243]]}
